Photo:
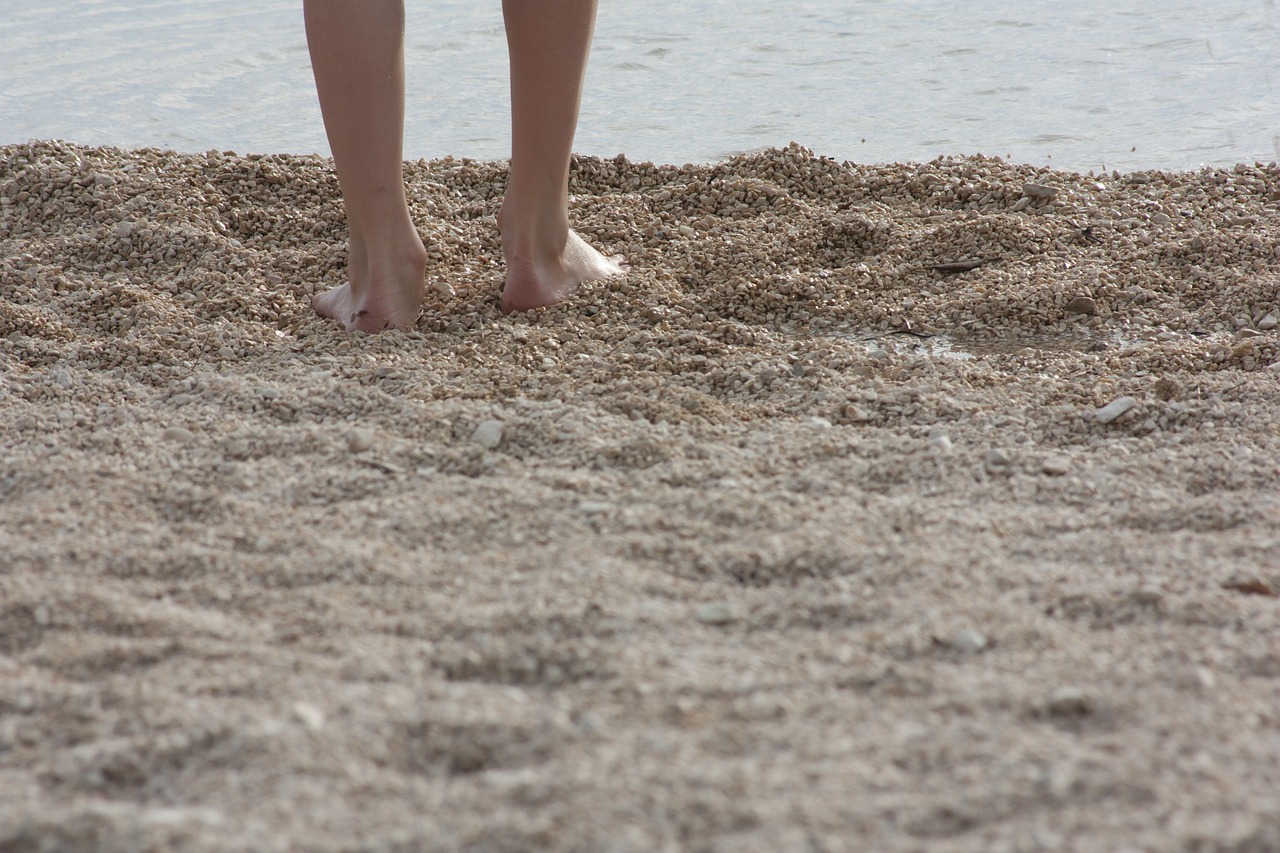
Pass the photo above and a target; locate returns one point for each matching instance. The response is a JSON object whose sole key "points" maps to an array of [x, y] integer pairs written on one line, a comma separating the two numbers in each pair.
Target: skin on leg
{"points": [[548, 42], [357, 56]]}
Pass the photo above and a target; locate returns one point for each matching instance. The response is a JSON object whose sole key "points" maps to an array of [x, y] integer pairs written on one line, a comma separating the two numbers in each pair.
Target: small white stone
{"points": [[996, 460], [1038, 191], [360, 440], [488, 435], [1069, 702], [1055, 465], [1115, 409], [716, 613], [941, 442], [309, 715], [178, 435], [969, 641], [123, 231]]}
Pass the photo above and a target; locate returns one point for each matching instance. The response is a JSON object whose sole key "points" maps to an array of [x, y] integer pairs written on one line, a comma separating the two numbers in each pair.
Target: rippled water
{"points": [[1082, 85]]}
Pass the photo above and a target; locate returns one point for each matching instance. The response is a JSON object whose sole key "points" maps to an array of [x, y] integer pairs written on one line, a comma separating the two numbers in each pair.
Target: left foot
{"points": [[540, 281]]}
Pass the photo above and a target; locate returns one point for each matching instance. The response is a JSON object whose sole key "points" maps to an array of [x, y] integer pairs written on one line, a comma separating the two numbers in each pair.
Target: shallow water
{"points": [[1082, 86]]}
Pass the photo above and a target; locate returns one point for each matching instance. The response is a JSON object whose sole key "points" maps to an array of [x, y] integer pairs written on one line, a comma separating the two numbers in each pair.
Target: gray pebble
{"points": [[716, 613], [178, 435], [1055, 465], [1115, 409], [1147, 596], [1038, 191], [996, 460], [969, 641], [1268, 323], [360, 440], [1069, 702], [1082, 305], [488, 435]]}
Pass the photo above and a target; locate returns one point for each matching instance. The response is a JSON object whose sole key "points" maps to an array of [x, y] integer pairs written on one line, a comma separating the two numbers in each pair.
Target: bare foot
{"points": [[378, 296], [534, 282]]}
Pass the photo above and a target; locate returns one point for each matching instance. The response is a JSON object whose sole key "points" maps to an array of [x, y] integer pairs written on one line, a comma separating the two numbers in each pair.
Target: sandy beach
{"points": [[901, 507]]}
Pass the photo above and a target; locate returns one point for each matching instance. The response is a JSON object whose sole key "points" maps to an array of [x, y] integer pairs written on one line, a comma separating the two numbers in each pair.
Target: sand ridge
{"points": [[806, 534]]}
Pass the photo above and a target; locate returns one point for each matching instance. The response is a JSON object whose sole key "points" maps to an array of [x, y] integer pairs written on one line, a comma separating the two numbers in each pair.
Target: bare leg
{"points": [[357, 55], [548, 41]]}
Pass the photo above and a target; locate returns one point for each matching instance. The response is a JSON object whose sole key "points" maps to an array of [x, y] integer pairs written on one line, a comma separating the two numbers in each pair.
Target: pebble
{"points": [[1056, 465], [1082, 305], [178, 435], [123, 231], [1268, 323], [1115, 409], [309, 715], [1069, 702], [716, 613], [360, 440], [1147, 596], [996, 460], [1038, 191], [969, 641], [488, 435], [1167, 389], [941, 442]]}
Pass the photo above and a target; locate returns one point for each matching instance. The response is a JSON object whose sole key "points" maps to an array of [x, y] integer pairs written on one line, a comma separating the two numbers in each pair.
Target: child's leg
{"points": [[548, 41], [357, 55]]}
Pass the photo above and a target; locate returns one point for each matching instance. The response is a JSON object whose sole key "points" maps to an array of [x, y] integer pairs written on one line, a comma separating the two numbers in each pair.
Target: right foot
{"points": [[385, 295]]}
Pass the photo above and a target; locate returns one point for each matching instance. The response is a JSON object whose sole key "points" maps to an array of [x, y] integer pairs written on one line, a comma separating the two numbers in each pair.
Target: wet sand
{"points": [[879, 507]]}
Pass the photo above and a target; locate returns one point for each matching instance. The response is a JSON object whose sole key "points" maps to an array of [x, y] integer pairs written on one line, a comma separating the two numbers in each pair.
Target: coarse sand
{"points": [[905, 507]]}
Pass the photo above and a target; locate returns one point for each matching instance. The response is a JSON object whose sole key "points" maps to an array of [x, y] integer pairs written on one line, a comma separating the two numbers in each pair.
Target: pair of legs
{"points": [[357, 55]]}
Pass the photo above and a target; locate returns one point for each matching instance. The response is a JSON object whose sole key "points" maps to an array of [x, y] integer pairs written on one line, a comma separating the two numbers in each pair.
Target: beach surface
{"points": [[878, 507]]}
